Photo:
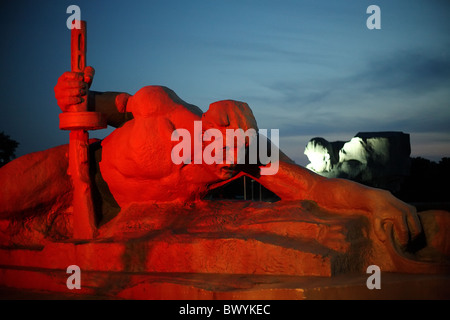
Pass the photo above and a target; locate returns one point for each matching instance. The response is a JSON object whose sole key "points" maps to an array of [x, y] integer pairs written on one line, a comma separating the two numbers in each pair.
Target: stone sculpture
{"points": [[377, 159], [150, 216]]}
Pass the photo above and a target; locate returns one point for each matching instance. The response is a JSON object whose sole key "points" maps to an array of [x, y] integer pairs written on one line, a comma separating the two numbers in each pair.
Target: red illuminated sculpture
{"points": [[122, 205]]}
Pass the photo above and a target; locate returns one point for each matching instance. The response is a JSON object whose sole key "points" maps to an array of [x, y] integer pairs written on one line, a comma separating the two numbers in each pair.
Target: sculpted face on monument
{"points": [[379, 159], [224, 116]]}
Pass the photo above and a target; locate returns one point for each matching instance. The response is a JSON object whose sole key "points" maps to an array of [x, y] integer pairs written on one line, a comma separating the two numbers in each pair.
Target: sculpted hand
{"points": [[392, 213], [387, 214], [71, 86], [229, 114]]}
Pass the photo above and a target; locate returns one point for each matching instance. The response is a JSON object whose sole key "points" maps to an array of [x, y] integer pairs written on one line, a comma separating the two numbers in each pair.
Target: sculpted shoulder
{"points": [[136, 158], [156, 101]]}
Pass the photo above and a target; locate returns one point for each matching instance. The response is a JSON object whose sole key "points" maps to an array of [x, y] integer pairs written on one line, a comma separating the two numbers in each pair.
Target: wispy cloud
{"points": [[379, 87], [405, 72], [405, 91]]}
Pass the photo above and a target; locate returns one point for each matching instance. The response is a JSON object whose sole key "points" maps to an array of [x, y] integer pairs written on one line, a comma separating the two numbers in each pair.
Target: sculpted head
{"points": [[231, 122]]}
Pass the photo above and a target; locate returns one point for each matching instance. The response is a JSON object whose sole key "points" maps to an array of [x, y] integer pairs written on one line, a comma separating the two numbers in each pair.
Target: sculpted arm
{"points": [[71, 86], [293, 182], [113, 105]]}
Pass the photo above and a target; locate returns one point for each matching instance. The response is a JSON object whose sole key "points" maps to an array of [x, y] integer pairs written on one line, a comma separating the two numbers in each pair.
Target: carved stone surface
{"points": [[378, 159], [23, 283]]}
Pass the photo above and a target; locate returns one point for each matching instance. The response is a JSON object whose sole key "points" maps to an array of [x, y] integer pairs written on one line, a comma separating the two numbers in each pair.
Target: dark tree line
{"points": [[428, 181], [7, 149]]}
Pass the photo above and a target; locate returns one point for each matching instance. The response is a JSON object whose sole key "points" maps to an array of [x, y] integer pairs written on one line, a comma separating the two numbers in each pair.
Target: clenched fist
{"points": [[72, 87]]}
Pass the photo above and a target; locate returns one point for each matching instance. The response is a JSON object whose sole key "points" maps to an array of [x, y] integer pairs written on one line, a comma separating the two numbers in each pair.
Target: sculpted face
{"points": [[223, 117], [225, 170]]}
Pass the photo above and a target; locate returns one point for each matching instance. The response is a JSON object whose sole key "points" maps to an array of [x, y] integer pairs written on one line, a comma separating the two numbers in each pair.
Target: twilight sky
{"points": [[306, 67]]}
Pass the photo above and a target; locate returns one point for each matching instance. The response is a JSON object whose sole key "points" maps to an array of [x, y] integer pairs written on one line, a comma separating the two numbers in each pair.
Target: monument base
{"points": [[179, 286], [216, 250]]}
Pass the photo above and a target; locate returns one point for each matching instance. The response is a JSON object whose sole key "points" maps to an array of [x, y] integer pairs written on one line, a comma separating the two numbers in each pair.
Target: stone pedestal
{"points": [[207, 250]]}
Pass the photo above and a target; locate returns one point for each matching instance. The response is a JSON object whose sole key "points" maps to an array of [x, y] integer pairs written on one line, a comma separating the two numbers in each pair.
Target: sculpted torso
{"points": [[136, 158]]}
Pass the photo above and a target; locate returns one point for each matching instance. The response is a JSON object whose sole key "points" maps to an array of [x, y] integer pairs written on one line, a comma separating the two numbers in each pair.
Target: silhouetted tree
{"points": [[7, 149], [444, 166], [428, 181]]}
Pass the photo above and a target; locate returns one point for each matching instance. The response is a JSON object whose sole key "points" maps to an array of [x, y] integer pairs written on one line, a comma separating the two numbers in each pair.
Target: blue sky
{"points": [[308, 68]]}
